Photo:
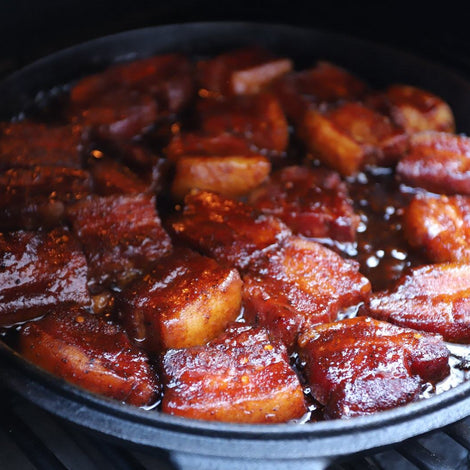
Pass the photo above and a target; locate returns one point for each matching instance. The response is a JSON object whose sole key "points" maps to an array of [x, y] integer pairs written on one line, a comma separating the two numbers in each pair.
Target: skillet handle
{"points": [[185, 461]]}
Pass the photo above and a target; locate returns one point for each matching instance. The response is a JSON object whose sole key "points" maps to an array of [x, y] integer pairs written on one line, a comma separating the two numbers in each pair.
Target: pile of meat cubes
{"points": [[169, 238]]}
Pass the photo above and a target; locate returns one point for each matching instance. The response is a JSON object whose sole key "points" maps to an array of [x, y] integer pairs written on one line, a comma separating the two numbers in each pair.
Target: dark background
{"points": [[31, 29]]}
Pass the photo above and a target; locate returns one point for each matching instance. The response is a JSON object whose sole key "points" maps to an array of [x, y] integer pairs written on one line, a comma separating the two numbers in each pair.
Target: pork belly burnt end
{"points": [[349, 136], [39, 272], [324, 83], [313, 202], [230, 231], [37, 197], [121, 235], [359, 366], [231, 176], [85, 350], [439, 226], [241, 71], [414, 109], [168, 78], [26, 144], [434, 298], [438, 162], [242, 376], [258, 118], [299, 284], [186, 300]]}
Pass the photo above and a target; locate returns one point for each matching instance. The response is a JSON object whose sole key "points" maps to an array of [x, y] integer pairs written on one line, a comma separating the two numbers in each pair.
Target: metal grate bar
{"points": [[423, 458], [11, 457]]}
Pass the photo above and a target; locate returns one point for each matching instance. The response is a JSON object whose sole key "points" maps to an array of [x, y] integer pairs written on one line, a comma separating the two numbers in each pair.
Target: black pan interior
{"points": [[380, 66]]}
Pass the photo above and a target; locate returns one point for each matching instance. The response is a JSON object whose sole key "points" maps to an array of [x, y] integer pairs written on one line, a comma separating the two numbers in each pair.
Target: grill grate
{"points": [[32, 439]]}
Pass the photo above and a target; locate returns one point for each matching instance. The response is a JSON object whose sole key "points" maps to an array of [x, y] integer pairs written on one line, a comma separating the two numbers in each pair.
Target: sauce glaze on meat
{"points": [[233, 239]]}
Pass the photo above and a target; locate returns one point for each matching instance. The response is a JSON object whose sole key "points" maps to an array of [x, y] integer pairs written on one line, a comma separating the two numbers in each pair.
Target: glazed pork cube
{"points": [[258, 118], [414, 109], [313, 202], [231, 176], [324, 83], [92, 353], [299, 284], [358, 366], [27, 144], [242, 376], [433, 298], [39, 272], [168, 78], [121, 235], [350, 136], [117, 114], [439, 226], [186, 300], [36, 197], [185, 144], [246, 70], [230, 231], [112, 177], [437, 162]]}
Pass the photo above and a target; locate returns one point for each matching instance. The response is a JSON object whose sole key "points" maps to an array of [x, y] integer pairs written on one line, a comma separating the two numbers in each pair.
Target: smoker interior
{"points": [[31, 438]]}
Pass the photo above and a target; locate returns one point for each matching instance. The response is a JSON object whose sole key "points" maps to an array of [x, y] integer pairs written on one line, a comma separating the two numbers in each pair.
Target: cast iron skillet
{"points": [[199, 444]]}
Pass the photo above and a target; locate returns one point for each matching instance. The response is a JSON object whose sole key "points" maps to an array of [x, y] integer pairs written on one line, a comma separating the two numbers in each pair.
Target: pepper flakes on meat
{"points": [[228, 230], [300, 283], [242, 376], [257, 118], [92, 353], [37, 197], [185, 300], [433, 298], [121, 235], [40, 271], [359, 366], [313, 202], [27, 144]]}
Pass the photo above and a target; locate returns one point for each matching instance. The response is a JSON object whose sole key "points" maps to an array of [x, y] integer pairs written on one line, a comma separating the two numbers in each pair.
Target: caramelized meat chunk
{"points": [[312, 201], [87, 351], [111, 177], [118, 114], [27, 144], [440, 226], [434, 298], [230, 231], [36, 197], [298, 284], [258, 118], [121, 234], [438, 162], [231, 176], [169, 79], [414, 109], [186, 300], [242, 376], [349, 136], [242, 71], [359, 366], [39, 272], [324, 83], [198, 143]]}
